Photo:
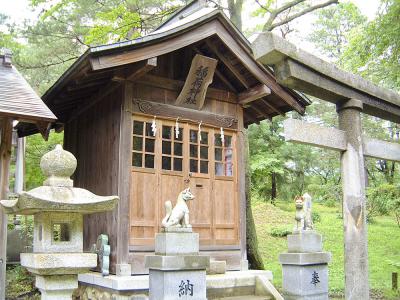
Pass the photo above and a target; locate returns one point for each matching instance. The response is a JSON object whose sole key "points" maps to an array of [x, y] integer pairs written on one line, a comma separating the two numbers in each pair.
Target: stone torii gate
{"points": [[352, 95]]}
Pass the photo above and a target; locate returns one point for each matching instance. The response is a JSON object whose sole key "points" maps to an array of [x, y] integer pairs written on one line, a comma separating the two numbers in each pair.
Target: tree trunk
{"points": [[235, 12], [5, 156], [273, 187], [253, 255]]}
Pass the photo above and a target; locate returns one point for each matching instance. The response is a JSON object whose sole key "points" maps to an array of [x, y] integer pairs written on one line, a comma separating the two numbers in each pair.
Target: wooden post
{"points": [[5, 156], [354, 217], [123, 268], [395, 281], [19, 165]]}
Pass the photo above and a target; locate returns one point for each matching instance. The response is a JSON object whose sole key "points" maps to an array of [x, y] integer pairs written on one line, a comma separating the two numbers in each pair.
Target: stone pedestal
{"points": [[305, 267], [177, 271], [58, 287]]}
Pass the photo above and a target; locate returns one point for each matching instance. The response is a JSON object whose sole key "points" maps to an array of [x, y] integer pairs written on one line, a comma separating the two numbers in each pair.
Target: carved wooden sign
{"points": [[200, 76]]}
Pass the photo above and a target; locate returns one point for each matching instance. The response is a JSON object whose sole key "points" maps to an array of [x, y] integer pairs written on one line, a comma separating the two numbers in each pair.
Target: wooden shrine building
{"points": [[149, 117]]}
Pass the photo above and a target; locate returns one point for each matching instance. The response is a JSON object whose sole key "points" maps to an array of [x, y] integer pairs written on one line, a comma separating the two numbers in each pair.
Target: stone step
{"points": [[246, 297]]}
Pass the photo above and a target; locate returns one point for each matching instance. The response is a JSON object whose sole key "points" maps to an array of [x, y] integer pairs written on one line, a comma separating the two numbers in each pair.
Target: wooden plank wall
{"points": [[94, 139]]}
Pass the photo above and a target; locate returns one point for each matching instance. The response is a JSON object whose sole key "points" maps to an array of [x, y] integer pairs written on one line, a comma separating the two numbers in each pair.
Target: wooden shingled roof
{"points": [[203, 30], [17, 98]]}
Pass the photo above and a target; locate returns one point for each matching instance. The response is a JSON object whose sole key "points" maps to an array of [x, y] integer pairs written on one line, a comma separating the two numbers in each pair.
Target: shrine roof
{"points": [[17, 98], [203, 29]]}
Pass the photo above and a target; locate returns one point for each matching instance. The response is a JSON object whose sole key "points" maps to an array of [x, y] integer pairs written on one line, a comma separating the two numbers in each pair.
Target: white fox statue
{"points": [[179, 215]]}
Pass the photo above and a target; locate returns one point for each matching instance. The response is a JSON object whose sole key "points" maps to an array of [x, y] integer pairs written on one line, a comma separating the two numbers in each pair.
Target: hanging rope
{"points": [[154, 126]]}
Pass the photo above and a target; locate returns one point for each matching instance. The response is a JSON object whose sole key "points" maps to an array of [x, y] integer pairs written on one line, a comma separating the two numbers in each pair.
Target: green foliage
{"points": [[332, 27], [394, 207], [382, 200], [274, 162], [36, 147], [280, 232], [113, 24], [20, 284], [26, 224], [316, 217], [329, 193], [374, 49]]}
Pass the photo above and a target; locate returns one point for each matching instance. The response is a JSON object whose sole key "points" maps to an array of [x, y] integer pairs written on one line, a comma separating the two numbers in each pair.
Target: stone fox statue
{"points": [[179, 215], [303, 212]]}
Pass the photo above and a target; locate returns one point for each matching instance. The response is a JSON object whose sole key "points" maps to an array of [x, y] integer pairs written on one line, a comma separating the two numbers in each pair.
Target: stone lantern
{"points": [[58, 210]]}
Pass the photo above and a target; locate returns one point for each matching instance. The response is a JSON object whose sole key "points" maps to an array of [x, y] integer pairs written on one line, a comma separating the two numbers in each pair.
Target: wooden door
{"points": [[225, 193], [144, 183], [172, 180], [164, 163], [199, 178]]}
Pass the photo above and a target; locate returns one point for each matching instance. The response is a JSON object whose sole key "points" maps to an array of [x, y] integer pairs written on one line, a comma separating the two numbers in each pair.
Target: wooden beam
{"points": [[249, 116], [184, 114], [225, 80], [228, 64], [89, 84], [5, 157], [176, 85], [124, 178], [261, 73], [253, 94], [44, 129], [141, 68], [261, 112], [270, 106], [166, 46]]}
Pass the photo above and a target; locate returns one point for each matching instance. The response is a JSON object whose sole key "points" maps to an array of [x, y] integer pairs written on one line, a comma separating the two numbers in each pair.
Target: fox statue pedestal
{"points": [[177, 271]]}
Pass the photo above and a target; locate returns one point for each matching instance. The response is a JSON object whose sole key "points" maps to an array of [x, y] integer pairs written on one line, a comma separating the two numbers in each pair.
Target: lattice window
{"points": [[172, 149], [223, 155], [143, 145], [198, 150]]}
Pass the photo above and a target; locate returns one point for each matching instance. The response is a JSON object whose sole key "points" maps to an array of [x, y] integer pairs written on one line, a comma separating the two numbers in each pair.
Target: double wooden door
{"points": [[166, 160]]}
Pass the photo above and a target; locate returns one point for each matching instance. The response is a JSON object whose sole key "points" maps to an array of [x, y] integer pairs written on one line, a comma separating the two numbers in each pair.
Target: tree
{"points": [[36, 147], [332, 27], [278, 15], [65, 29], [374, 49], [235, 8]]}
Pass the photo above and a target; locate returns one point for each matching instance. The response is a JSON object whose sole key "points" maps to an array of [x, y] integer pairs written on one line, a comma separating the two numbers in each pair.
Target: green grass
{"points": [[383, 243]]}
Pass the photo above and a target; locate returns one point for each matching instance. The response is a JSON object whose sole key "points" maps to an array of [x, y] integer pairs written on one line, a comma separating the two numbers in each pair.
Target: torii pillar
{"points": [[354, 203]]}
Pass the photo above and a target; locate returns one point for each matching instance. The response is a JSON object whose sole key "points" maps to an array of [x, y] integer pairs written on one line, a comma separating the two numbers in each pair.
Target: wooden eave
{"points": [[17, 98], [101, 66]]}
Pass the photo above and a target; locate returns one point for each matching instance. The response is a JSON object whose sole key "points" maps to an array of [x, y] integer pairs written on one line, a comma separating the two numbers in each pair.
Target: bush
{"points": [[330, 202], [280, 232], [394, 206], [316, 217], [327, 194], [381, 200]]}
